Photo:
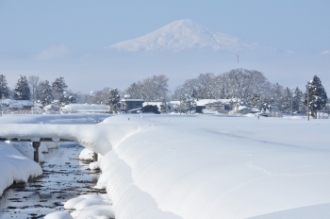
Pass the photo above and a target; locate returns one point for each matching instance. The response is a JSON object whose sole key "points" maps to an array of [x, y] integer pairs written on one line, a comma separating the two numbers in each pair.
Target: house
{"points": [[127, 105], [213, 106], [218, 106], [17, 105]]}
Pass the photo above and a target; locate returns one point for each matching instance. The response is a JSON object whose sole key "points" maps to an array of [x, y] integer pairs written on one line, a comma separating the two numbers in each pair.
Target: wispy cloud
{"points": [[54, 52], [326, 52], [290, 52]]}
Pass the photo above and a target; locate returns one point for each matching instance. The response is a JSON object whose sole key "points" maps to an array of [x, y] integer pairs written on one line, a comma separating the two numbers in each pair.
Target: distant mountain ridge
{"points": [[184, 34]]}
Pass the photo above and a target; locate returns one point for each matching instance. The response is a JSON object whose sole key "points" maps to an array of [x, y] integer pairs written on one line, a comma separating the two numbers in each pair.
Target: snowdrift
{"points": [[217, 167], [180, 166]]}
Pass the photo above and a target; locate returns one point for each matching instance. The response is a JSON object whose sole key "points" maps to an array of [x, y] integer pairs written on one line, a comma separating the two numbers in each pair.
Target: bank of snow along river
{"points": [[64, 177], [59, 182]]}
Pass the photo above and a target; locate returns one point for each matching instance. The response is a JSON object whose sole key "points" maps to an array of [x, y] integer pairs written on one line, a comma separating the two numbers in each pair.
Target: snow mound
{"points": [[15, 167], [94, 165], [94, 212], [58, 215], [86, 154], [90, 206], [27, 150]]}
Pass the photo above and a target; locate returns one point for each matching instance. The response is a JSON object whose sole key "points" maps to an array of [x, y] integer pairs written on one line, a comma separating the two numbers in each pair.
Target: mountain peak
{"points": [[183, 34]]}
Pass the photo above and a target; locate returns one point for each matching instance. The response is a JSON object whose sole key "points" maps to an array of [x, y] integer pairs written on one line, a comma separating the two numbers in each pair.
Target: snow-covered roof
{"points": [[153, 104], [19, 104], [135, 100], [85, 108], [203, 102], [174, 102]]}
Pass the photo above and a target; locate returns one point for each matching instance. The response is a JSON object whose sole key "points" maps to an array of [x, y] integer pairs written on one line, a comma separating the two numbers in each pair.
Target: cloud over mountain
{"points": [[184, 34]]}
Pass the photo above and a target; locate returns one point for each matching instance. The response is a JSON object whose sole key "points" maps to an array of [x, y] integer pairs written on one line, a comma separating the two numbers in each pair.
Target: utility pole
{"points": [[292, 102], [2, 98], [291, 105], [307, 91]]}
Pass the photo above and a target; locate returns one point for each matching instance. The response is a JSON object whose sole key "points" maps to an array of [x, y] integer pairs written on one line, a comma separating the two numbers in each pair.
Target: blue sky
{"points": [[29, 28]]}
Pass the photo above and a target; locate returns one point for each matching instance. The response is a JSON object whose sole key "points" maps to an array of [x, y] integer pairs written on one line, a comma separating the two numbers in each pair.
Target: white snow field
{"points": [[204, 166]]}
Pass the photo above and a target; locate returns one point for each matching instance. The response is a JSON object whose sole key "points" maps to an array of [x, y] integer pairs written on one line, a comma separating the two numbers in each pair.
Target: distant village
{"points": [[237, 92]]}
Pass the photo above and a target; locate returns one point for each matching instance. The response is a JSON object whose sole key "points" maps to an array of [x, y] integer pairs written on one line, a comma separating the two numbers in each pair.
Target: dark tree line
{"points": [[32, 88]]}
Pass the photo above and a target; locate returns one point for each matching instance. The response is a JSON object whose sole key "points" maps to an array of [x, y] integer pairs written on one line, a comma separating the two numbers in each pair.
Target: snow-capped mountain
{"points": [[184, 34]]}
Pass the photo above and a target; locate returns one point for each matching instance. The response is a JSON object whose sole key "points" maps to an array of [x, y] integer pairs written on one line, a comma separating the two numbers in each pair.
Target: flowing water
{"points": [[64, 177]]}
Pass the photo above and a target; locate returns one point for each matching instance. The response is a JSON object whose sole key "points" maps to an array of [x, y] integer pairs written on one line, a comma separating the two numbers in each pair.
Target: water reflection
{"points": [[64, 177]]}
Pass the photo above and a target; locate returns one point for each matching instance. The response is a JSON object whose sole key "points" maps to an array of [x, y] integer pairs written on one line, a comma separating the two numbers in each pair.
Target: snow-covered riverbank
{"points": [[15, 167], [16, 159], [181, 166], [64, 177]]}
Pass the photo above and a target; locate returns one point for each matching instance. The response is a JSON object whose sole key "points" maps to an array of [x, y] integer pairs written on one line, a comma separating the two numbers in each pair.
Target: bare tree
{"points": [[153, 88], [100, 96], [34, 82]]}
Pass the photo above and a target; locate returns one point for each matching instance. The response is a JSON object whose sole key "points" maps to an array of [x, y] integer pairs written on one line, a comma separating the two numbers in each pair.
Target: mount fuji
{"points": [[185, 34]]}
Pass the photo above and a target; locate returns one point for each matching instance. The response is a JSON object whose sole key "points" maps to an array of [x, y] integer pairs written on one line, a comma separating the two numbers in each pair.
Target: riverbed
{"points": [[64, 177]]}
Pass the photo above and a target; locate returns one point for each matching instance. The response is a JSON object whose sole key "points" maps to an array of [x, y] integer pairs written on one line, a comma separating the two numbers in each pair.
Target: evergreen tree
{"points": [[45, 92], [297, 98], [277, 98], [163, 106], [22, 89], [315, 96], [58, 88], [113, 100], [187, 104], [287, 100], [255, 101], [4, 90], [68, 98], [266, 105]]}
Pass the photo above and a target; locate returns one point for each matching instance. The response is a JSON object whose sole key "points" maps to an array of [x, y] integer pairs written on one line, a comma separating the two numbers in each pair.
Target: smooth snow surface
{"points": [[219, 167], [200, 166]]}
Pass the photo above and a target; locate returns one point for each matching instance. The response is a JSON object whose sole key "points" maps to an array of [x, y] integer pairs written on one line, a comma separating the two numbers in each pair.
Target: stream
{"points": [[64, 177]]}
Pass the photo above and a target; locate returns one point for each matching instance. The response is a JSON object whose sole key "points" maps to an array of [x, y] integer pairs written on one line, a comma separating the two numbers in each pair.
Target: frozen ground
{"points": [[187, 166]]}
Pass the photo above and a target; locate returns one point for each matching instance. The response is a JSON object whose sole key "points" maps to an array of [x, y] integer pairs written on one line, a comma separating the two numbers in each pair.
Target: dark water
{"points": [[64, 177]]}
